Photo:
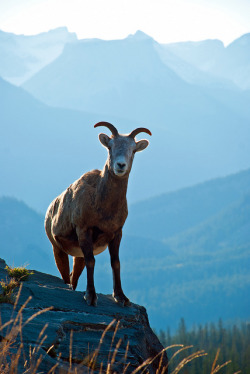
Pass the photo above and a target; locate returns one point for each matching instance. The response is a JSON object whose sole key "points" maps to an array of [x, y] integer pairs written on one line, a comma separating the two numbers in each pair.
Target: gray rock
{"points": [[74, 330]]}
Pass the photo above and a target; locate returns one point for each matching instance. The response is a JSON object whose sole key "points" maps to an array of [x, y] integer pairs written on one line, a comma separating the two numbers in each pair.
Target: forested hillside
{"points": [[233, 343]]}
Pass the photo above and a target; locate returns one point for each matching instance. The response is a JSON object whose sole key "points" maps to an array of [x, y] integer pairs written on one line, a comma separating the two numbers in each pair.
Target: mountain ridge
{"points": [[24, 55], [230, 62], [206, 199]]}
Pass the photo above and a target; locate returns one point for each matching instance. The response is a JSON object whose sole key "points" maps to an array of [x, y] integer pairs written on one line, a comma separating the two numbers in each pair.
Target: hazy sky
{"points": [[164, 20]]}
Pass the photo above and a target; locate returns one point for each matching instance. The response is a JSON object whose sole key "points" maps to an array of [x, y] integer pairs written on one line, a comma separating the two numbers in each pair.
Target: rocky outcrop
{"points": [[120, 336]]}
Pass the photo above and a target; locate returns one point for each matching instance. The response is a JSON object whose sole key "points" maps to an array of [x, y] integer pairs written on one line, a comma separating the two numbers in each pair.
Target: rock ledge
{"points": [[72, 323]]}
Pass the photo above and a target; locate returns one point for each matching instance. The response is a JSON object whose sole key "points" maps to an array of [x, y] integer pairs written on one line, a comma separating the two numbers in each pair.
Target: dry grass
{"points": [[7, 288], [11, 345], [12, 353], [16, 275]]}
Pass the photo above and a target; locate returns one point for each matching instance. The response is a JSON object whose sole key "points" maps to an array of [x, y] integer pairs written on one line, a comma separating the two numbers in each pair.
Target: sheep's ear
{"points": [[104, 139], [141, 145]]}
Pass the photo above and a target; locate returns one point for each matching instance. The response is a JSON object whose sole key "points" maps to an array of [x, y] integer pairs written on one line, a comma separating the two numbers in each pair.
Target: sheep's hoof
{"points": [[121, 299], [90, 297]]}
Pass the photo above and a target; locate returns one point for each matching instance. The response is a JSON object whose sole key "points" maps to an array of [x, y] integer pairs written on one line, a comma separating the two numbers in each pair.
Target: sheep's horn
{"points": [[109, 126], [137, 131]]}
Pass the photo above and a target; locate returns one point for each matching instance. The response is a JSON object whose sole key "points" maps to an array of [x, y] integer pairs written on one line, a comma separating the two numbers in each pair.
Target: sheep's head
{"points": [[121, 148]]}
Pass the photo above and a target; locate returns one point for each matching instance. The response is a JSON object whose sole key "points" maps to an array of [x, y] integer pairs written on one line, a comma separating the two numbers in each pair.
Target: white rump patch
{"points": [[99, 249], [77, 252]]}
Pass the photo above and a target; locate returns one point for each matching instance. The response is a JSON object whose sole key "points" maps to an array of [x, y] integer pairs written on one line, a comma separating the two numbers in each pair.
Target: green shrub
{"points": [[19, 273]]}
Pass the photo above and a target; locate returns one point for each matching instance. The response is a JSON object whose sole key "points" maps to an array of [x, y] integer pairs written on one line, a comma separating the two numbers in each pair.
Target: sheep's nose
{"points": [[121, 165]]}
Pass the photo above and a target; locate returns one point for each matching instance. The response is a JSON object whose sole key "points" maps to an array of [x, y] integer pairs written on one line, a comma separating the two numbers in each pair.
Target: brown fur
{"points": [[96, 200], [88, 217]]}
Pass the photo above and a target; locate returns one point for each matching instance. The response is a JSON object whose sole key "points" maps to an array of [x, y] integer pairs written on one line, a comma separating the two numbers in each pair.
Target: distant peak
{"points": [[243, 40], [62, 29], [140, 35]]}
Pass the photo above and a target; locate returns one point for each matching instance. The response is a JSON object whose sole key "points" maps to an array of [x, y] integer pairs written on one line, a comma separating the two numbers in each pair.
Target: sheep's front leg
{"points": [[86, 245], [114, 246]]}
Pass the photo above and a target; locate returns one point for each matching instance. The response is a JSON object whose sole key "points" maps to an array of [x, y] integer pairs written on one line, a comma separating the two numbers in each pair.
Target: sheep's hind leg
{"points": [[62, 262], [78, 266]]}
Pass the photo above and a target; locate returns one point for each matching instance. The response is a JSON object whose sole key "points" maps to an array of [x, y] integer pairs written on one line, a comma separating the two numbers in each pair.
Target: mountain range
{"points": [[200, 130]]}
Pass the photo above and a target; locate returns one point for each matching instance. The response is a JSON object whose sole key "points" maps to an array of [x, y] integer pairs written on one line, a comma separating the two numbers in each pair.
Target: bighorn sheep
{"points": [[90, 214]]}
